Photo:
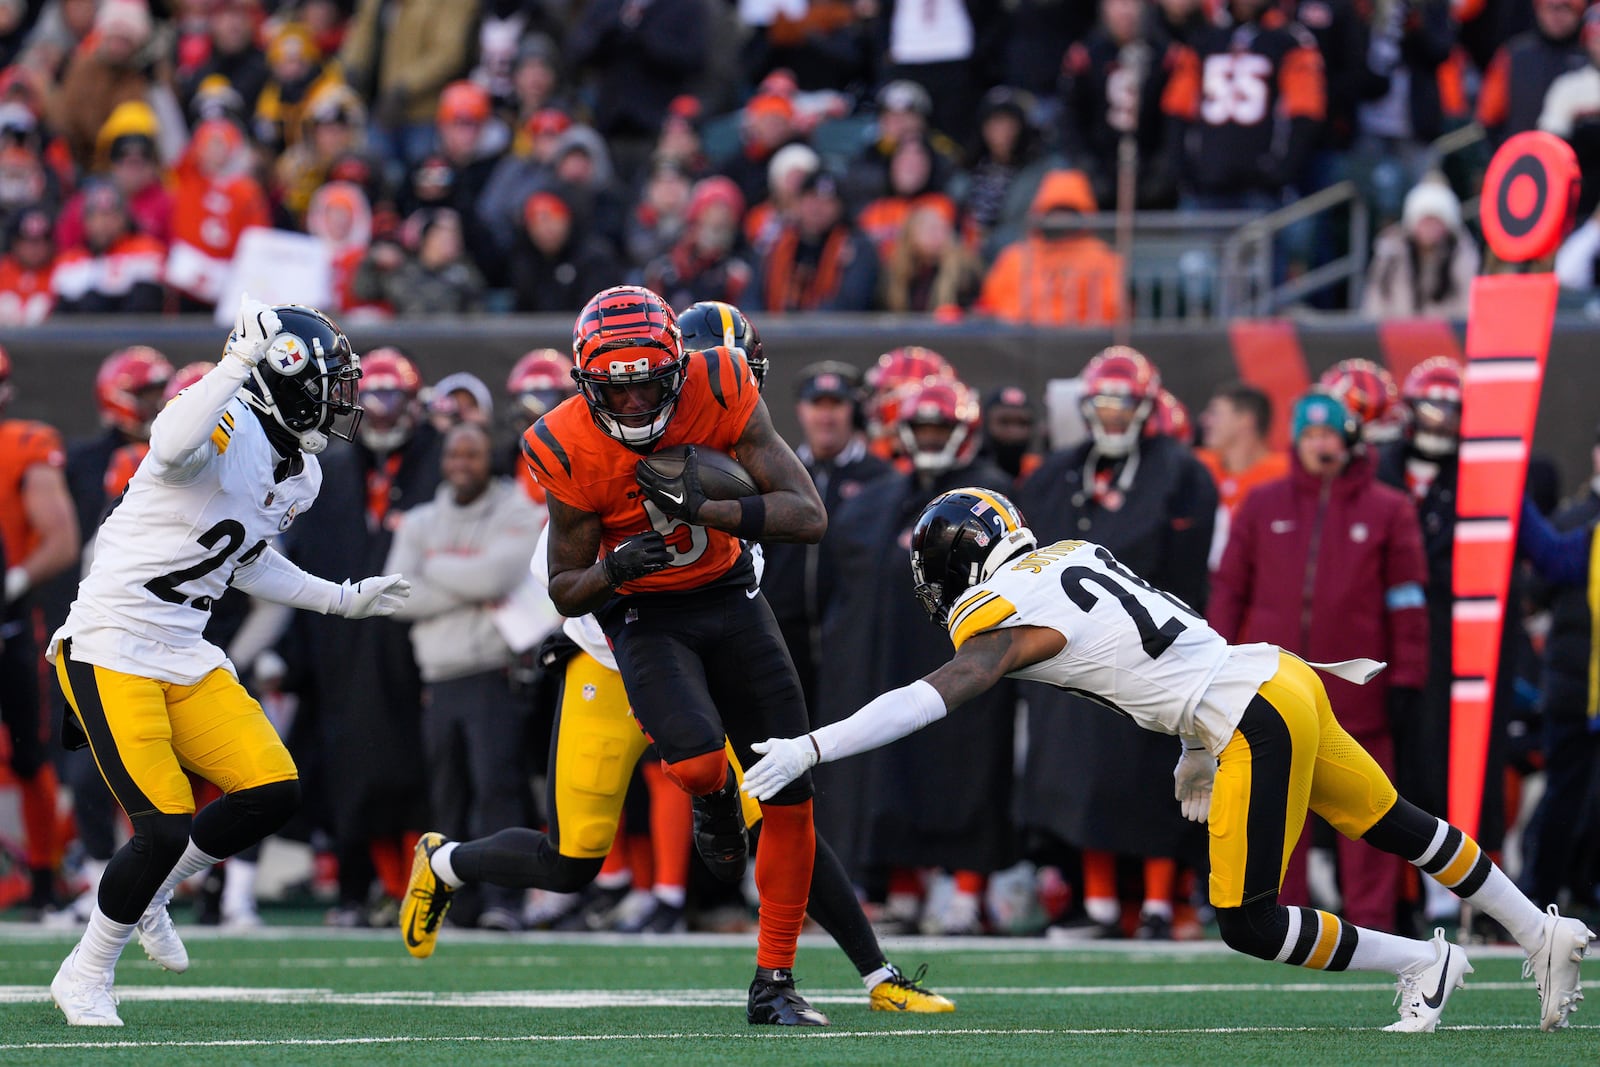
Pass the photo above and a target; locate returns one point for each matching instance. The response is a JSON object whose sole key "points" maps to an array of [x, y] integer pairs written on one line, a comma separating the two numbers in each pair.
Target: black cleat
{"points": [[719, 833], [774, 1002]]}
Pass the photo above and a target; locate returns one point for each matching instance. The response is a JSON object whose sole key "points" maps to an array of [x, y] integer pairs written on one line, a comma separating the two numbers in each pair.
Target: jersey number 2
{"points": [[230, 533], [1155, 639]]}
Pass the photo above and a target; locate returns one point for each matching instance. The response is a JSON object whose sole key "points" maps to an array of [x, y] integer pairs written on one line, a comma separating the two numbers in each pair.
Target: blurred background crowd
{"points": [[945, 156], [1033, 810]]}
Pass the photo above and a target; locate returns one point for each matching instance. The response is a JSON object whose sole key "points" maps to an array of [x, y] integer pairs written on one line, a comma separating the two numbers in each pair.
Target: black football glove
{"points": [[636, 557], [678, 498]]}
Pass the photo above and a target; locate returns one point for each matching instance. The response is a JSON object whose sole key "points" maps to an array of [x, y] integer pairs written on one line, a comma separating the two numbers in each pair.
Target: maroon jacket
{"points": [[1330, 571]]}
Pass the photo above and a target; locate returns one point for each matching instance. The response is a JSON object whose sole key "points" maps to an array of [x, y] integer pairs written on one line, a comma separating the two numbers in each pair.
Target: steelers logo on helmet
{"points": [[288, 355], [960, 540]]}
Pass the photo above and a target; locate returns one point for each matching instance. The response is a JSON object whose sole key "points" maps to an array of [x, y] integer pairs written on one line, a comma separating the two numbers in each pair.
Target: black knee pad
{"points": [[796, 792], [568, 875], [1405, 831], [1257, 929], [161, 838], [272, 804]]}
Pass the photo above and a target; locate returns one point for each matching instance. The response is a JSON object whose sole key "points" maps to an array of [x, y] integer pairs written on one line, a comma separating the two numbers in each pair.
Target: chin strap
{"points": [[313, 442]]}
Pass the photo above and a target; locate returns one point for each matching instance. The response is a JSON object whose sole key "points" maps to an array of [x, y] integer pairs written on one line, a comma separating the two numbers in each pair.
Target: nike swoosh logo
{"points": [[897, 1005], [669, 496], [1444, 976], [411, 937], [753, 592]]}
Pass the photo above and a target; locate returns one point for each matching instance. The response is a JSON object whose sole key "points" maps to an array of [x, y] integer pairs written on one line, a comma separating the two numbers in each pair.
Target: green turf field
{"points": [[312, 996]]}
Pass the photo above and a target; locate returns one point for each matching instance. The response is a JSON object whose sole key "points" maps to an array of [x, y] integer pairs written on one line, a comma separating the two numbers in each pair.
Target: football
{"points": [[721, 477]]}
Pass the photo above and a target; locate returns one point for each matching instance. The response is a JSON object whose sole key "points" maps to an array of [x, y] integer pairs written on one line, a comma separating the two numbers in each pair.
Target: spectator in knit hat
{"points": [[438, 278], [555, 266], [104, 71], [127, 147], [766, 125], [332, 127], [679, 141], [234, 56], [903, 110], [1424, 264], [340, 214], [25, 295], [787, 171], [705, 263], [115, 270], [818, 261], [658, 219], [297, 72], [218, 198], [408, 51], [470, 142]]}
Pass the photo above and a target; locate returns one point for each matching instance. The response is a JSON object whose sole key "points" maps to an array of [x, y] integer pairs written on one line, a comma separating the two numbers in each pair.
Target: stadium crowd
{"points": [[785, 157], [788, 155]]}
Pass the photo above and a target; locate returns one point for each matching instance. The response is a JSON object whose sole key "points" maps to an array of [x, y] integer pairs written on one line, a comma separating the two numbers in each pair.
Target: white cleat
{"points": [[86, 1000], [1553, 966], [1421, 993], [160, 939]]}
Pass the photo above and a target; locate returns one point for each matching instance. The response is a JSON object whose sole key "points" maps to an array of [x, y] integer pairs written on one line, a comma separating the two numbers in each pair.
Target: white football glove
{"points": [[370, 597], [784, 759], [253, 330], [1192, 779]]}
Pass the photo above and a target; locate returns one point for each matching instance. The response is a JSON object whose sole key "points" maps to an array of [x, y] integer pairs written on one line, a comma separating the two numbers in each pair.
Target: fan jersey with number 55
{"points": [[583, 467], [1130, 646], [167, 551]]}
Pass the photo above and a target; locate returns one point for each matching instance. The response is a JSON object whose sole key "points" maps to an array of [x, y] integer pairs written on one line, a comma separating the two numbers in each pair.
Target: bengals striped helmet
{"points": [[630, 363], [1121, 385], [1367, 390], [1432, 395]]}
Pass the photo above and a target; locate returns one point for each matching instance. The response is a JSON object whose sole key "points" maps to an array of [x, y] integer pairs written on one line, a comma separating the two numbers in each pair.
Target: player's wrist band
{"points": [[752, 518], [814, 748]]}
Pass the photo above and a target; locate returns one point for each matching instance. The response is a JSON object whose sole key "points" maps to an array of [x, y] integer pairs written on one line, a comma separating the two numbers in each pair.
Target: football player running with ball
{"points": [[232, 462], [1257, 730], [596, 744], [665, 572]]}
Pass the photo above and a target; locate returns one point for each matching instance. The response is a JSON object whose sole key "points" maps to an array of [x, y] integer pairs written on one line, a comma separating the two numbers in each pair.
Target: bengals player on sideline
{"points": [[1252, 718], [666, 573], [597, 743], [232, 463], [40, 536]]}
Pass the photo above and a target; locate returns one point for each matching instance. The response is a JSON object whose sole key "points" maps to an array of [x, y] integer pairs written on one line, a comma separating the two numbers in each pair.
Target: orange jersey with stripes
{"points": [[580, 465], [23, 446]]}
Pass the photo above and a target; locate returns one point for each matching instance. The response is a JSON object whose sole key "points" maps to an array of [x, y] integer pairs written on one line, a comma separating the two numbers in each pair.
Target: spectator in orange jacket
{"points": [[1058, 274], [217, 200]]}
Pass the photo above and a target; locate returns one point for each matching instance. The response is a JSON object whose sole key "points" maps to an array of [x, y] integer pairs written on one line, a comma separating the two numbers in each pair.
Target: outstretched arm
{"points": [[980, 663]]}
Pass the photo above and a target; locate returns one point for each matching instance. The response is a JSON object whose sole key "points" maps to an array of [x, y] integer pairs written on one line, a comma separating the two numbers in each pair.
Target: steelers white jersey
{"points": [[168, 550], [1130, 646]]}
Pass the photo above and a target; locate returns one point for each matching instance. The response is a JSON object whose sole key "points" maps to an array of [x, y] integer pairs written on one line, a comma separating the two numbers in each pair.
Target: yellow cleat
{"points": [[427, 899], [899, 993]]}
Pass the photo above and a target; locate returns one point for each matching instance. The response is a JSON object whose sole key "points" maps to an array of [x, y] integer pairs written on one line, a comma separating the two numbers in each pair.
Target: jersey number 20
{"points": [[1155, 639]]}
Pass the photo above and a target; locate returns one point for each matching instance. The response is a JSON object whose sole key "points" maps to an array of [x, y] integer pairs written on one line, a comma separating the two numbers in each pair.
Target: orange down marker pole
{"points": [[1529, 194]]}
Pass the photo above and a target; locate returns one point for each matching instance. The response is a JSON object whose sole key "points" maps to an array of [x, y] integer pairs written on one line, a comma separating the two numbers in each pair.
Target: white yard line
{"points": [[807, 1035]]}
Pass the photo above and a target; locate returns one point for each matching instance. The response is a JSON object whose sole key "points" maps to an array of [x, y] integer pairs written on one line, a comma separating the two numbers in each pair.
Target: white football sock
{"points": [[440, 862], [193, 861], [103, 942]]}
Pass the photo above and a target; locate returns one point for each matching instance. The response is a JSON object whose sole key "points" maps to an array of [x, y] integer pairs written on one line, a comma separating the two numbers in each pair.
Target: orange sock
{"points": [[388, 862], [1160, 879], [671, 827], [39, 817], [641, 860], [615, 870], [969, 882], [783, 878], [1099, 875]]}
